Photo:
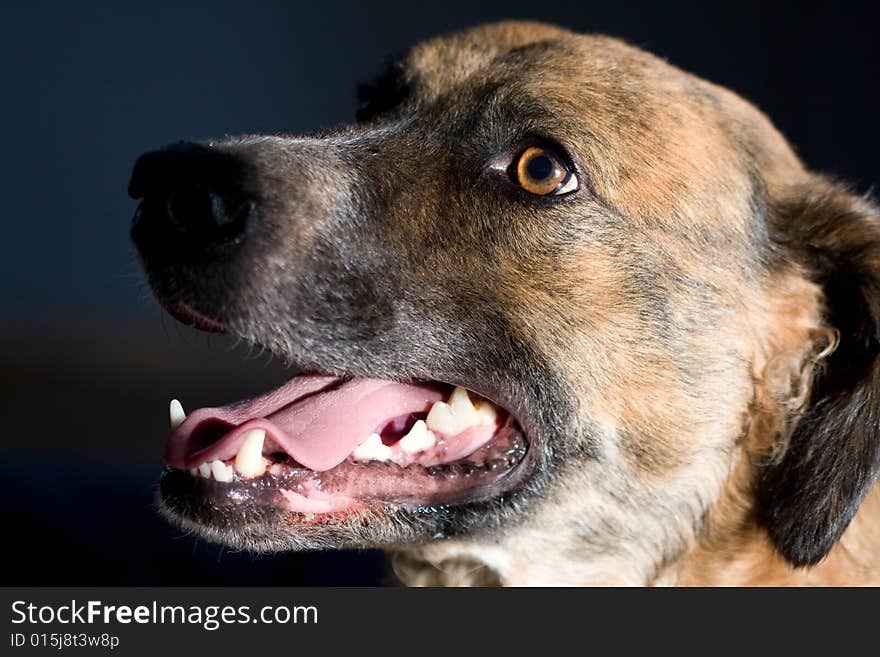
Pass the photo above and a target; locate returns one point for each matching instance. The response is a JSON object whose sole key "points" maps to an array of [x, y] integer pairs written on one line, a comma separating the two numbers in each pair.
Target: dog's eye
{"points": [[539, 170]]}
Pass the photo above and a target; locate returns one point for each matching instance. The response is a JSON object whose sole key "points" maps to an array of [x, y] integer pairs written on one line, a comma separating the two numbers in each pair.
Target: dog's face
{"points": [[592, 242]]}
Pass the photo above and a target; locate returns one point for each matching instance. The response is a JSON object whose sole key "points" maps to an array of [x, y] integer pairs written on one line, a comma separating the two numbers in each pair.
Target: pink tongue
{"points": [[315, 419]]}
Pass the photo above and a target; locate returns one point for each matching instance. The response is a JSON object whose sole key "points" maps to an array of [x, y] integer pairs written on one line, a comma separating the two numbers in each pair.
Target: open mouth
{"points": [[329, 445]]}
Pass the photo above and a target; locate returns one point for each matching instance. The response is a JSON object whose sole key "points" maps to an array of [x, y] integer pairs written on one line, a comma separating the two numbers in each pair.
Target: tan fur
{"points": [[777, 322], [689, 342]]}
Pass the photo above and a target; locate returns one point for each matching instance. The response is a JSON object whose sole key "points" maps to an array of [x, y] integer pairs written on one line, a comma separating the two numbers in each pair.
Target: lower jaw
{"points": [[300, 495]]}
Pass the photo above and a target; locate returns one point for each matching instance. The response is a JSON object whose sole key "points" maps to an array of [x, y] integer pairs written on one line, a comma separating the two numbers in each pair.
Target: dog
{"points": [[568, 316]]}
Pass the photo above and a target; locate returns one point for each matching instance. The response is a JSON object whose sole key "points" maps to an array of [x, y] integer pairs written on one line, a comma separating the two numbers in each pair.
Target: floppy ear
{"points": [[810, 493]]}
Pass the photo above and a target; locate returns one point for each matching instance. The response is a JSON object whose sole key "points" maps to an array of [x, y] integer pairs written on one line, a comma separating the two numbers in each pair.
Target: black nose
{"points": [[193, 198]]}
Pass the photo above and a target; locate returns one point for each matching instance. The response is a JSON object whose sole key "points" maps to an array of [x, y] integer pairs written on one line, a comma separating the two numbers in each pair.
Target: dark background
{"points": [[87, 361]]}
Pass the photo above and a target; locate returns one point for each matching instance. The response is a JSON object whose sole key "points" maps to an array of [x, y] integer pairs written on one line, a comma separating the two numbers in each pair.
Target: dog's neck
{"points": [[733, 551]]}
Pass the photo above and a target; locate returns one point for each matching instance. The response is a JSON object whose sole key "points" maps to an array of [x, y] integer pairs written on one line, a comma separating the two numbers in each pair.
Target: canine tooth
{"points": [[249, 461], [205, 470], [177, 414], [194, 472], [372, 449], [221, 471], [418, 439], [455, 416]]}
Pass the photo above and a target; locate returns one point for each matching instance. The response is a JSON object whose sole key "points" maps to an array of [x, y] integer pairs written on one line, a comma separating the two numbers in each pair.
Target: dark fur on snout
{"points": [[689, 340]]}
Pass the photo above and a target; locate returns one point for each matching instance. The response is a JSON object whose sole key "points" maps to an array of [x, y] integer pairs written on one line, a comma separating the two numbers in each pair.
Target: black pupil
{"points": [[540, 167]]}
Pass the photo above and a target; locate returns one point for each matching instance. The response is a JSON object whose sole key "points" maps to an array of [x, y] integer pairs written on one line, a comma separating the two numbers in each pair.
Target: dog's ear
{"points": [[810, 492]]}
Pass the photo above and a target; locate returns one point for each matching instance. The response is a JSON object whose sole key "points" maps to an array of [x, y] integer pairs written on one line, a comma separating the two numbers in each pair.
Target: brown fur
{"points": [[691, 338], [778, 323]]}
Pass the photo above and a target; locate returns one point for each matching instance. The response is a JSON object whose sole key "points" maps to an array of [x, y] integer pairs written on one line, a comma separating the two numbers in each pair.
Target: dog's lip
{"points": [[279, 491], [186, 314]]}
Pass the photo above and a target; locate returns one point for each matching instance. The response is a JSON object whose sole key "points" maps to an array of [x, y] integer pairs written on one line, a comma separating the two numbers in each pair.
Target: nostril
{"points": [[204, 216], [194, 209], [237, 213]]}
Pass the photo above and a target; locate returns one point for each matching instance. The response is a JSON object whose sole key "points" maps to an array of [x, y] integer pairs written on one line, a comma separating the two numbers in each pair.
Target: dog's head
{"points": [[627, 267]]}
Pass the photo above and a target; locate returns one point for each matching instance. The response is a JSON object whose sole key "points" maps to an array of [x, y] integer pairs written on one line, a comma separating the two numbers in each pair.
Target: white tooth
{"points": [[460, 401], [442, 420], [372, 449], [418, 439], [177, 414], [249, 461], [194, 472], [221, 471], [456, 416], [205, 470], [486, 412]]}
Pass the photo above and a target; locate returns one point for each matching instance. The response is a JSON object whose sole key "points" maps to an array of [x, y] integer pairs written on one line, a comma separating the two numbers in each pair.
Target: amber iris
{"points": [[541, 171]]}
